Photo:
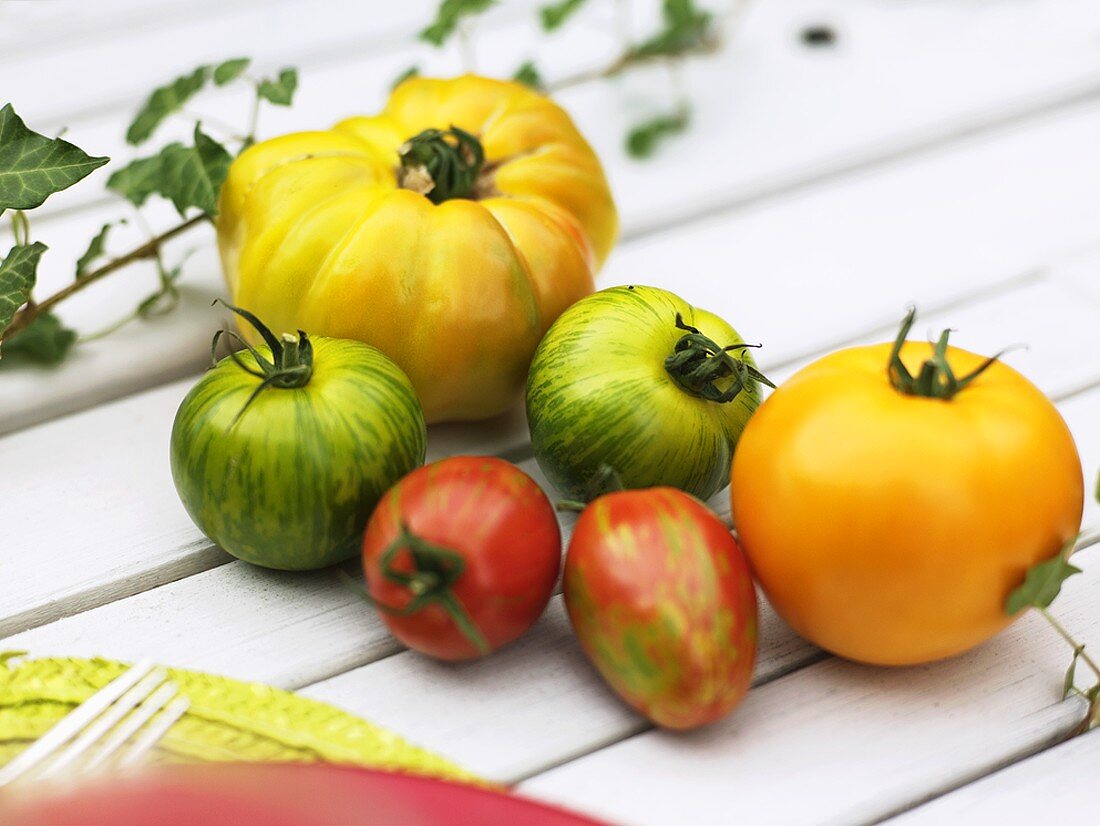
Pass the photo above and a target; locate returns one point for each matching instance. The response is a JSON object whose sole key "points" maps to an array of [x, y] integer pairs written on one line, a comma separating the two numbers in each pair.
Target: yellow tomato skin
{"points": [[315, 233], [889, 528]]}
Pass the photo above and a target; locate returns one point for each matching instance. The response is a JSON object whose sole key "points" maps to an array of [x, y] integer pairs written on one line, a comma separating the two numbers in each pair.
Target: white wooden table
{"points": [[943, 152]]}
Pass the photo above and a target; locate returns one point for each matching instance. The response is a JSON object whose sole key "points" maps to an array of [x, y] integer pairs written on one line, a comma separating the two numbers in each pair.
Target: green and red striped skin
{"points": [[292, 483], [598, 395], [503, 526], [663, 604]]}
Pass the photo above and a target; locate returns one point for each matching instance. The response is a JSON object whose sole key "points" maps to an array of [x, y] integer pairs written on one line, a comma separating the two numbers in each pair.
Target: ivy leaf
{"points": [[192, 176], [163, 102], [281, 91], [412, 71], [686, 28], [138, 180], [528, 74], [93, 253], [642, 141], [1043, 582], [554, 15], [44, 341], [447, 18], [230, 70], [18, 273], [34, 167]]}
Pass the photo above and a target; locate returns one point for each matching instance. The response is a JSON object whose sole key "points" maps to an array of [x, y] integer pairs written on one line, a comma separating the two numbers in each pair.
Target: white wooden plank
{"points": [[135, 56], [798, 272], [1060, 365], [1057, 786], [284, 629], [27, 27], [839, 742], [534, 701]]}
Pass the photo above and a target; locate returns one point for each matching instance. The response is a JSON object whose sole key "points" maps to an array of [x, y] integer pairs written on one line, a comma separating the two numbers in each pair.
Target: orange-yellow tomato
{"points": [[339, 233], [889, 528]]}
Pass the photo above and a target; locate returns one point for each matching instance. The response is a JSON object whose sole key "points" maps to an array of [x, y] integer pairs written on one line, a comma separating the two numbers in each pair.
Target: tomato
{"points": [[887, 517], [663, 605], [282, 466], [449, 231], [636, 379], [461, 556]]}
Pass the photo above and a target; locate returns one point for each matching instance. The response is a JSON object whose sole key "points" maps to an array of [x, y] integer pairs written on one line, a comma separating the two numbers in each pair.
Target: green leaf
{"points": [[192, 176], [45, 341], [230, 70], [34, 167], [18, 273], [642, 141], [93, 253], [554, 15], [686, 29], [1043, 582], [138, 180], [528, 74], [163, 102], [447, 18], [412, 71], [281, 91]]}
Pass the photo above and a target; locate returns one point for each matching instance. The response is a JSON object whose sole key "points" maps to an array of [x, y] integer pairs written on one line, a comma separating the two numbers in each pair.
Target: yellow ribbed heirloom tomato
{"points": [[889, 498], [449, 231]]}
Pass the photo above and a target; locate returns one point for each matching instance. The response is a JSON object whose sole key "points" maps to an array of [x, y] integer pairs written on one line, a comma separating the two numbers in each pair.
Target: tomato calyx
{"points": [[698, 364], [441, 164], [290, 365], [935, 379], [435, 570]]}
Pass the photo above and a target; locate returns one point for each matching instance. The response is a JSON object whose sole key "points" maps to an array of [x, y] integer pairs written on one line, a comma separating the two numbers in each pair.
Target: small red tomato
{"points": [[461, 556], [662, 601]]}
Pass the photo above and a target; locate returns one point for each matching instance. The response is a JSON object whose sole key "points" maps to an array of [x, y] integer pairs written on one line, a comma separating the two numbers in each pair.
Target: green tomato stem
{"points": [[698, 365], [436, 569], [935, 379], [441, 164], [1065, 634]]}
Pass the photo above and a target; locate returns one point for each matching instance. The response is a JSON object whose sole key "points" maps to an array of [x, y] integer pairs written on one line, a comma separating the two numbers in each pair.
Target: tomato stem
{"points": [[290, 365], [441, 164], [936, 379], [435, 570], [698, 364]]}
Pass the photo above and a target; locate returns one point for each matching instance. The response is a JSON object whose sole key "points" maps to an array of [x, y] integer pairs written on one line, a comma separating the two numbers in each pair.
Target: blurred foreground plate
{"points": [[274, 795]]}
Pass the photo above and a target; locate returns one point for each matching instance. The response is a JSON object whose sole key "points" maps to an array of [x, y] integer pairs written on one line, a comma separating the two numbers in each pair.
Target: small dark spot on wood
{"points": [[630, 287], [818, 36]]}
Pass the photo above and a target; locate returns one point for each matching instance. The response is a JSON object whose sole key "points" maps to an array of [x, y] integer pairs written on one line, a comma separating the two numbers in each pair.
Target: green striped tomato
{"points": [[662, 601], [290, 482], [635, 379]]}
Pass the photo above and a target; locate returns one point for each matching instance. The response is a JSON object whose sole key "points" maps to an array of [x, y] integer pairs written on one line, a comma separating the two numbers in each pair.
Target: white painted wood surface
{"points": [[943, 152]]}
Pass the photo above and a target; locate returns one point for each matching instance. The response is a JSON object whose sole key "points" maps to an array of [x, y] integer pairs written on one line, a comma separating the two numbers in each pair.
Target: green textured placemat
{"points": [[228, 720]]}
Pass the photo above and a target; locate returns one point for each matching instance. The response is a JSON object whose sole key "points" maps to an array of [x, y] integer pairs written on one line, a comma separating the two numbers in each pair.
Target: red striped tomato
{"points": [[661, 599], [461, 556]]}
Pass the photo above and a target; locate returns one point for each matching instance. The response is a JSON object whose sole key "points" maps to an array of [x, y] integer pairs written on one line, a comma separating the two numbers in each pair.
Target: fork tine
{"points": [[102, 724], [128, 727], [72, 723], [155, 732]]}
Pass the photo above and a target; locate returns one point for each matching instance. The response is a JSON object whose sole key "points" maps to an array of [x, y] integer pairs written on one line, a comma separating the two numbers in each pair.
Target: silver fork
{"points": [[127, 717]]}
